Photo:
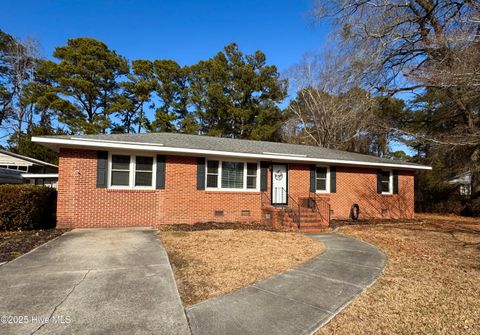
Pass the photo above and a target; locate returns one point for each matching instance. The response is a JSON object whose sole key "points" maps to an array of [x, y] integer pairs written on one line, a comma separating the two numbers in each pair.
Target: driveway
{"points": [[92, 281], [297, 301]]}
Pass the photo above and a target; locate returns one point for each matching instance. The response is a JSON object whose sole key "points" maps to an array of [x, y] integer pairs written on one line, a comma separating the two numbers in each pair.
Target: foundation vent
{"points": [[245, 212]]}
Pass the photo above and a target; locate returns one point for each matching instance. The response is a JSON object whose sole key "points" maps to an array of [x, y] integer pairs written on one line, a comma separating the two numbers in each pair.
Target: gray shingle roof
{"points": [[197, 142]]}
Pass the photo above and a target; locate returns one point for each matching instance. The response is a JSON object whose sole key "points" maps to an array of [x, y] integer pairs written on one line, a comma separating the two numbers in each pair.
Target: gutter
{"points": [[40, 175]]}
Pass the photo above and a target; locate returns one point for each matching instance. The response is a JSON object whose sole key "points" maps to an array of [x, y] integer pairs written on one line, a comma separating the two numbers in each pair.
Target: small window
{"points": [[232, 175], [120, 170], [212, 174], [143, 171], [251, 175], [321, 179], [386, 187]]}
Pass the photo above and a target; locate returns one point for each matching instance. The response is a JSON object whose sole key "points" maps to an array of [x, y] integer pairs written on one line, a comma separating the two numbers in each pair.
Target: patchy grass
{"points": [[213, 262], [431, 284], [16, 243]]}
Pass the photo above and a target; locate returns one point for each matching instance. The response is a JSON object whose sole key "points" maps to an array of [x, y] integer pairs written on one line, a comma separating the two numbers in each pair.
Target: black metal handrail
{"points": [[266, 201], [294, 213], [315, 202]]}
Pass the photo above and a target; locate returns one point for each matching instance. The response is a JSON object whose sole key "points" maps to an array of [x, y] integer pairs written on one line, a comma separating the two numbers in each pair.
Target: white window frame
{"points": [[390, 181], [219, 180], [212, 174], [327, 190], [131, 172]]}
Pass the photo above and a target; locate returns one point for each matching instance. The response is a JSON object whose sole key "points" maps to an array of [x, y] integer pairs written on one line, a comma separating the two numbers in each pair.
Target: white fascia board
{"points": [[84, 143], [40, 175]]}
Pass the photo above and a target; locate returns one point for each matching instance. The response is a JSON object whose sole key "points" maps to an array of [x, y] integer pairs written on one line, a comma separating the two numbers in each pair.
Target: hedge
{"points": [[24, 207]]}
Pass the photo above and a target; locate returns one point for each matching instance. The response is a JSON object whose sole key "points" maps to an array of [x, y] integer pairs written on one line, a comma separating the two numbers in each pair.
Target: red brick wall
{"points": [[81, 204], [357, 185], [186, 204]]}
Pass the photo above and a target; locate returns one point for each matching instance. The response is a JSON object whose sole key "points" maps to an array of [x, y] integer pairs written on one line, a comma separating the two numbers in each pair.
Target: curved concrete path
{"points": [[297, 301]]}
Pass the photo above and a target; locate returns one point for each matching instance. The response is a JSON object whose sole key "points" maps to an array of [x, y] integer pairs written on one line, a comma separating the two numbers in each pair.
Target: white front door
{"points": [[279, 184]]}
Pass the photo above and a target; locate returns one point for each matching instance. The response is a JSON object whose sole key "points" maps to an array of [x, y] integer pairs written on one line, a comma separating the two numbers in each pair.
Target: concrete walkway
{"points": [[92, 281], [297, 301]]}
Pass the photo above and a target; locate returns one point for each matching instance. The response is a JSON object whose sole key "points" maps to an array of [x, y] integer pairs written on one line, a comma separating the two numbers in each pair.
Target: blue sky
{"points": [[186, 31]]}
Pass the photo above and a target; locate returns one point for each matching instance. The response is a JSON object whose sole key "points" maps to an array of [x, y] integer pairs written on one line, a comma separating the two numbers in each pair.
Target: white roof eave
{"points": [[57, 143]]}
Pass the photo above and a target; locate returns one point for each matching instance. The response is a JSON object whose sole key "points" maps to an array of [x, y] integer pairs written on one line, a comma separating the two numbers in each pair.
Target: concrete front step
{"points": [[315, 229]]}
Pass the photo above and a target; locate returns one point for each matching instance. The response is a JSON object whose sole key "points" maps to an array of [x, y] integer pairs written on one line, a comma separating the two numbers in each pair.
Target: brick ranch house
{"points": [[166, 178]]}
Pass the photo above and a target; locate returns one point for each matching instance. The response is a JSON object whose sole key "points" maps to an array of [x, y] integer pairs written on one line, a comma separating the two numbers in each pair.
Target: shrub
{"points": [[24, 207]]}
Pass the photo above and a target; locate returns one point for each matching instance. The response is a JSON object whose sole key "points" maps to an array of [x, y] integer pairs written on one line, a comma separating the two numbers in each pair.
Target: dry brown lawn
{"points": [[431, 284], [213, 262]]}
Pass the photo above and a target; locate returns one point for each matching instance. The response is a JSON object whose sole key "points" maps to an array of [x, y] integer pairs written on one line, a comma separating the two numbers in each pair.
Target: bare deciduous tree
{"points": [[20, 59], [395, 46], [329, 111]]}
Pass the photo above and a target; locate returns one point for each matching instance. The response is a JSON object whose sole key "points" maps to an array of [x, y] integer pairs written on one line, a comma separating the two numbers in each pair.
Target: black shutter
{"points": [[395, 182], [160, 183], [379, 181], [313, 169], [263, 176], [333, 179], [200, 173], [102, 169]]}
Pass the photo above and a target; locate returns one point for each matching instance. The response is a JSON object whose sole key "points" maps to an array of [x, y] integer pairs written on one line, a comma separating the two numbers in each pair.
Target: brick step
{"points": [[311, 219], [307, 225], [315, 220], [309, 215], [306, 210]]}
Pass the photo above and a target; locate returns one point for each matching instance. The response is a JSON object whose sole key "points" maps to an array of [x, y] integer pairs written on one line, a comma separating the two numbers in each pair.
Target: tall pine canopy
{"points": [[84, 84]]}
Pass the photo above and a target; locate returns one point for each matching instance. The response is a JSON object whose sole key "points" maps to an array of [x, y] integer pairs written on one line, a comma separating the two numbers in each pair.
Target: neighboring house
{"points": [[464, 183], [17, 168], [168, 178], [10, 176]]}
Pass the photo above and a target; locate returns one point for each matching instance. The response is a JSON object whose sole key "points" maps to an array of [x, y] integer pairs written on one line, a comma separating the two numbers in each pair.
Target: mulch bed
{"points": [[341, 223], [200, 226], [17, 243]]}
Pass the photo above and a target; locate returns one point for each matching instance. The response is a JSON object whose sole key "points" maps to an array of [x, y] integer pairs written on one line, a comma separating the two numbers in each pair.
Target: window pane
{"points": [[120, 162], [143, 178], [251, 182], [212, 180], [321, 184], [251, 169], [212, 167], [144, 163], [120, 178], [386, 181], [232, 175], [385, 187], [321, 172]]}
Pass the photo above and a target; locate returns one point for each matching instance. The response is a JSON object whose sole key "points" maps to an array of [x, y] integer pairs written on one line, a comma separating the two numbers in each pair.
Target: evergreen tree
{"points": [[236, 95], [84, 84]]}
